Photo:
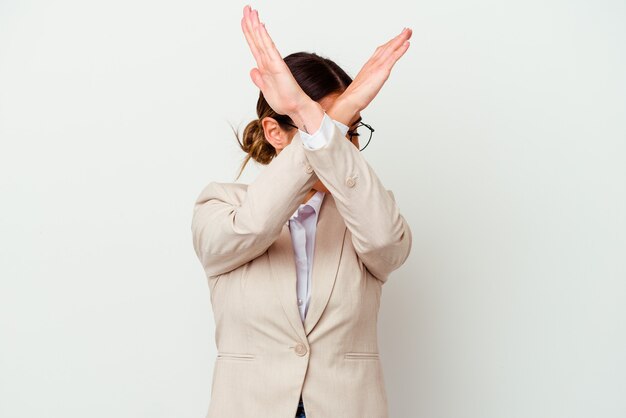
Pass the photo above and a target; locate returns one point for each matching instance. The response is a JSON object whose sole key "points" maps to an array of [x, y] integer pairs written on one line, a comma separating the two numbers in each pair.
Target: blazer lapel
{"points": [[329, 237], [283, 271]]}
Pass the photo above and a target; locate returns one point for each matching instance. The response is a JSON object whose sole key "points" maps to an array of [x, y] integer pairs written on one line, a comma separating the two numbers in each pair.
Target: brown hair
{"points": [[317, 76]]}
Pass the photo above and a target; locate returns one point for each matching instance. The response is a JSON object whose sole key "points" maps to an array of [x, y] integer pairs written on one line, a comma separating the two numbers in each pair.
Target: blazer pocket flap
{"points": [[235, 356], [361, 355]]}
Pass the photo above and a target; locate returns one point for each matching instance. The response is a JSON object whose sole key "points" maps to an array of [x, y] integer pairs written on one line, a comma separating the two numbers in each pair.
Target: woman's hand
{"points": [[272, 77], [376, 71]]}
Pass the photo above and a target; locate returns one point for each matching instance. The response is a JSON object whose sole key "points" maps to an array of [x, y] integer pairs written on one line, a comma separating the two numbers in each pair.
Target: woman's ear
{"points": [[274, 134]]}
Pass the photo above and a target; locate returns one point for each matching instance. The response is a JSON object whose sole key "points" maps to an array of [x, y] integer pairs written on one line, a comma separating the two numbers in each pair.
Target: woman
{"points": [[296, 260]]}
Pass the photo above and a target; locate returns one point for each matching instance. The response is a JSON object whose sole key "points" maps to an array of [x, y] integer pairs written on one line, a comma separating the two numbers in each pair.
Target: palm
{"points": [[377, 69], [272, 76]]}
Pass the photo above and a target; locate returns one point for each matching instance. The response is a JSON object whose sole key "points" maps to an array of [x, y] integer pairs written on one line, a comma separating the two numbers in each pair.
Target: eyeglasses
{"points": [[353, 133], [356, 133]]}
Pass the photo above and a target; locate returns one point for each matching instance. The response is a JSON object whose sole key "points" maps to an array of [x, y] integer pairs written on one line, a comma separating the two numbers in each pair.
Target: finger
{"points": [[270, 47], [256, 25], [251, 17], [257, 79], [249, 38], [384, 46], [395, 44], [397, 54]]}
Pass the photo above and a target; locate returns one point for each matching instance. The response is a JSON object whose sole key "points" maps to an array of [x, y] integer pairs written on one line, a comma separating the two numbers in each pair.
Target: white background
{"points": [[501, 132]]}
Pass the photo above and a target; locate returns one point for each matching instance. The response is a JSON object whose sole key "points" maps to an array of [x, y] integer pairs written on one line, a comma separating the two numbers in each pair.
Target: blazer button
{"points": [[309, 169], [350, 182], [300, 349]]}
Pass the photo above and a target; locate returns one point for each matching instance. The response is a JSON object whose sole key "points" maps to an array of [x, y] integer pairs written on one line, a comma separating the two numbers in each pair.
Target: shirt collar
{"points": [[315, 202]]}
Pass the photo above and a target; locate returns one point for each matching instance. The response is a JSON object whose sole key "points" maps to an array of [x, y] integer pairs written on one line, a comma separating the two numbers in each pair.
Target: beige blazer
{"points": [[266, 356]]}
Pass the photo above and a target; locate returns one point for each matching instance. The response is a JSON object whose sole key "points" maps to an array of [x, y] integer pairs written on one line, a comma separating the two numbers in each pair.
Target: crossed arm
{"points": [[232, 226]]}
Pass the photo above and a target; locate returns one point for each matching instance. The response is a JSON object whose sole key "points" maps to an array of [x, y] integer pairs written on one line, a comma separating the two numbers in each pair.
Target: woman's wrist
{"points": [[343, 110], [308, 116]]}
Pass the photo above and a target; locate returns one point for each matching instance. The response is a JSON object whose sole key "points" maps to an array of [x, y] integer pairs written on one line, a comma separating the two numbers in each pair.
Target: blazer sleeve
{"points": [[381, 236], [229, 231]]}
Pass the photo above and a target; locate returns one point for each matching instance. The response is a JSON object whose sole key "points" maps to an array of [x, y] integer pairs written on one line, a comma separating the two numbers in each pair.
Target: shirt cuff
{"points": [[323, 135]]}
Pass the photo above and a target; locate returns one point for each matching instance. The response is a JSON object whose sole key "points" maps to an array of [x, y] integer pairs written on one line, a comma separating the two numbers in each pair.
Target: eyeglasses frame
{"points": [[350, 132]]}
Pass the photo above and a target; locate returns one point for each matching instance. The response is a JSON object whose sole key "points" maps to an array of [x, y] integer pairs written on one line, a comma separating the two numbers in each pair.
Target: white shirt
{"points": [[303, 222]]}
